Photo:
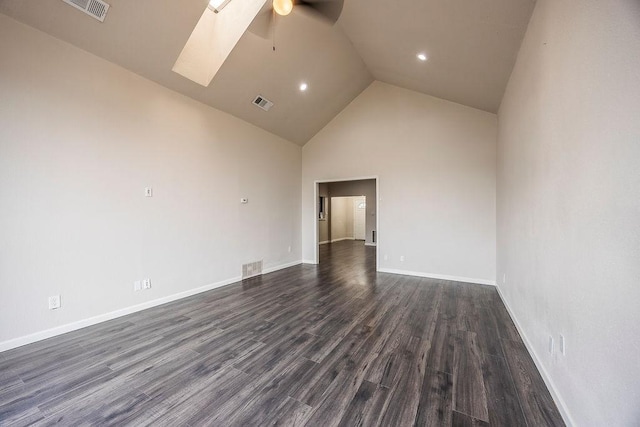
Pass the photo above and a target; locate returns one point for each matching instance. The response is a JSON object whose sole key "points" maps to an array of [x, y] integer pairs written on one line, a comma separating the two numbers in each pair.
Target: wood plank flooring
{"points": [[331, 345]]}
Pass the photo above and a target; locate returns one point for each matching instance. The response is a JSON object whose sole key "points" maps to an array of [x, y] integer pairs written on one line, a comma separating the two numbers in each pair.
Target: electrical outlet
{"points": [[146, 284], [504, 278], [386, 257], [562, 345], [550, 344], [148, 192], [289, 249], [137, 285], [54, 302], [401, 258]]}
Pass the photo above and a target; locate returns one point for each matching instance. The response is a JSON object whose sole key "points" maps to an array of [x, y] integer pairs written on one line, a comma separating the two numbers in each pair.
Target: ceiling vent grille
{"points": [[94, 8], [262, 102]]}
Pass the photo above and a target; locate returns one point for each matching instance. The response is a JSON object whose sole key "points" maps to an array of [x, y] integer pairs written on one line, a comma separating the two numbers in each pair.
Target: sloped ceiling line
{"points": [[472, 46]]}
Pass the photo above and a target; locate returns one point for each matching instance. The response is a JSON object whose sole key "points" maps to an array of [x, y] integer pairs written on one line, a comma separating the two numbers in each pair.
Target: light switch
{"points": [[148, 192]]}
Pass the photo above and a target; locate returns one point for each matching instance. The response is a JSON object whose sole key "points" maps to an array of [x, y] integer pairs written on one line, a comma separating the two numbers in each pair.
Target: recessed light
{"points": [[303, 86], [422, 57]]}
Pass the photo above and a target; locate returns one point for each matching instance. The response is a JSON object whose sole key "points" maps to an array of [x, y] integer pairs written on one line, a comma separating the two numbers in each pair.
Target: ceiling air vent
{"points": [[94, 8], [262, 102]]}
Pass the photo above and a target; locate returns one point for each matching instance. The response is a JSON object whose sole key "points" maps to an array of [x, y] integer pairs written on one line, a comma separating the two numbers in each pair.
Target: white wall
{"points": [[569, 202], [80, 138], [436, 166]]}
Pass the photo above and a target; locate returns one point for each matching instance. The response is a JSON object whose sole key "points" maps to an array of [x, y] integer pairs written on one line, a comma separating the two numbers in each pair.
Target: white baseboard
{"points": [[369, 244], [439, 276], [73, 326], [309, 261], [562, 407], [281, 267], [341, 239]]}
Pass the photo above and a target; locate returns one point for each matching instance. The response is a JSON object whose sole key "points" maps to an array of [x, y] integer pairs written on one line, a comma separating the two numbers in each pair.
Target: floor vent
{"points": [[252, 269], [94, 8], [262, 102]]}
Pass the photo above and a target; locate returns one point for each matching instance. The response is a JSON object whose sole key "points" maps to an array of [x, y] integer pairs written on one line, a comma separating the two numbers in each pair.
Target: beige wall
{"points": [[435, 161], [569, 202], [341, 218], [80, 139]]}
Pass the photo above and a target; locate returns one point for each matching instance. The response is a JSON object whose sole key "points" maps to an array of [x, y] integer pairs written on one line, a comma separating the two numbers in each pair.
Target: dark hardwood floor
{"points": [[330, 345]]}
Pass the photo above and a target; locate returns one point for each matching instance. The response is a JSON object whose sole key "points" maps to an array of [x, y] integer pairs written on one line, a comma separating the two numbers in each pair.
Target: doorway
{"points": [[347, 210]]}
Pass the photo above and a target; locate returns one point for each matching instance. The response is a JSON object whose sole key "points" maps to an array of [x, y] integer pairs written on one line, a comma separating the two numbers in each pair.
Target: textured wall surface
{"points": [[80, 139], [435, 161], [569, 202]]}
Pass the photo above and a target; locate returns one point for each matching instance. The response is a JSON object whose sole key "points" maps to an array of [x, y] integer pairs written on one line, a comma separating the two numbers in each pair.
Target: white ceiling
{"points": [[471, 44]]}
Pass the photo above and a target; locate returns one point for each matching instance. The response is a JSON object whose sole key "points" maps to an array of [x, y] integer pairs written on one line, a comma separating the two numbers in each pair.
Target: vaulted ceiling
{"points": [[471, 47]]}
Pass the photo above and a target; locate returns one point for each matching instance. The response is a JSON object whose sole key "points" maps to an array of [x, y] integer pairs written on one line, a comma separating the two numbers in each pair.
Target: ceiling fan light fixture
{"points": [[303, 87], [422, 57], [283, 7], [218, 5]]}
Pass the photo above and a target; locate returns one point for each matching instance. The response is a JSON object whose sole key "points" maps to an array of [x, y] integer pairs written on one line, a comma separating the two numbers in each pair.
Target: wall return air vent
{"points": [[251, 269], [94, 8], [262, 102]]}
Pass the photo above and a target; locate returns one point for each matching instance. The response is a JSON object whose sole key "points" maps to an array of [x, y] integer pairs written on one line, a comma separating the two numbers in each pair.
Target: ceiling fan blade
{"points": [[329, 10], [262, 24]]}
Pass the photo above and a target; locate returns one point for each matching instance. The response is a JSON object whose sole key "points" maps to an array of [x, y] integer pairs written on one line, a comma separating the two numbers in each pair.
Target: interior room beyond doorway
{"points": [[347, 211], [345, 221]]}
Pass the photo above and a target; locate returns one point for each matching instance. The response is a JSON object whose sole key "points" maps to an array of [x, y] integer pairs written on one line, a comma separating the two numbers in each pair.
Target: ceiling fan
{"points": [[218, 31], [327, 10]]}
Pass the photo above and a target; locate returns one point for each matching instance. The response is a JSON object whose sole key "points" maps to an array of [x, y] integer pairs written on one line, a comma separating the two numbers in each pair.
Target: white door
{"points": [[359, 217]]}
